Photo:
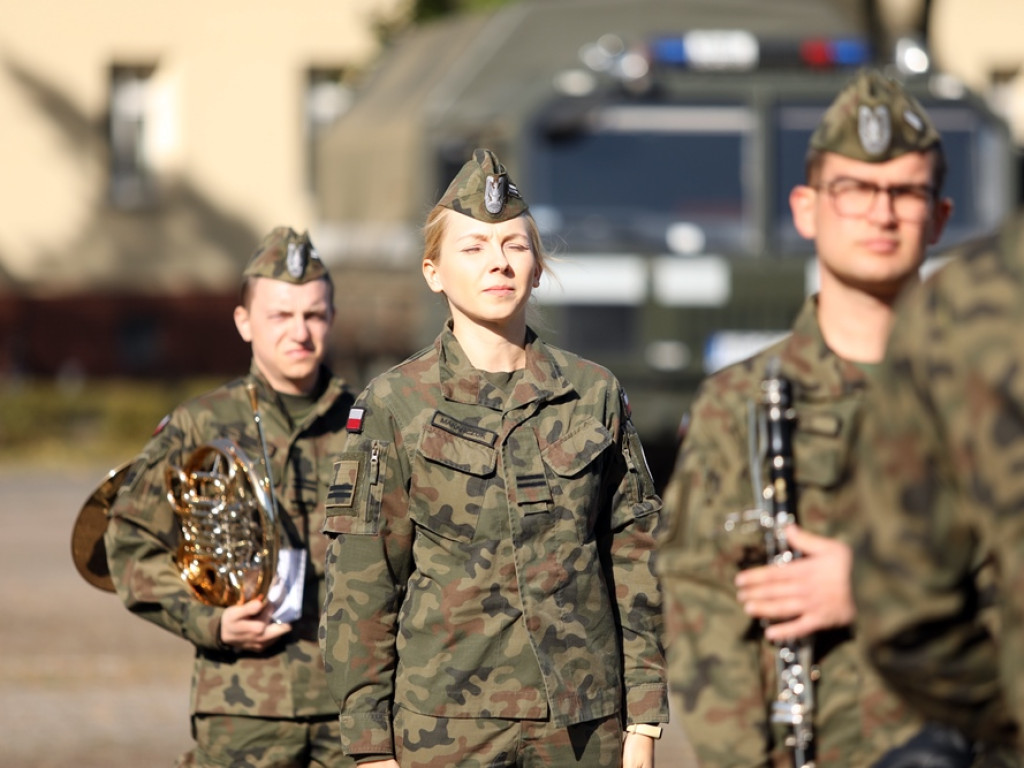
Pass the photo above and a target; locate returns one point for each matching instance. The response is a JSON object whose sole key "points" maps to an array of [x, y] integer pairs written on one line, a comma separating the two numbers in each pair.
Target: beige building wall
{"points": [[978, 41], [982, 42], [225, 135]]}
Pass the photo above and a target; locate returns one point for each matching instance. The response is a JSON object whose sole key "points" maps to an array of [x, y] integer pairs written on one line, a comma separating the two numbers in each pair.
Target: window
{"points": [[131, 179]]}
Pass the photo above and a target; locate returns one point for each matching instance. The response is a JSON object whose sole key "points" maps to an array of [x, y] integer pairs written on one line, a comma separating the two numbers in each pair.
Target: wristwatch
{"points": [[654, 731]]}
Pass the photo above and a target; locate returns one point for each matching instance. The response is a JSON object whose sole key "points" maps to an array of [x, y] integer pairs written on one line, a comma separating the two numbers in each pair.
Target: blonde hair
{"points": [[435, 227]]}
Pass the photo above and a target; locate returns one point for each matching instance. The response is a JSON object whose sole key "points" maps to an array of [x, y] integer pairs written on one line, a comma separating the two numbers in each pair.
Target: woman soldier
{"points": [[491, 599]]}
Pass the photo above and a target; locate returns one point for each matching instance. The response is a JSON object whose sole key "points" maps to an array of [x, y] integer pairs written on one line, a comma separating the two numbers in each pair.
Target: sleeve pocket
{"points": [[356, 489], [637, 461]]}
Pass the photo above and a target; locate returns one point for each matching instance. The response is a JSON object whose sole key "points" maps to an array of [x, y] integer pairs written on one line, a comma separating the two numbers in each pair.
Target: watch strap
{"points": [[644, 729]]}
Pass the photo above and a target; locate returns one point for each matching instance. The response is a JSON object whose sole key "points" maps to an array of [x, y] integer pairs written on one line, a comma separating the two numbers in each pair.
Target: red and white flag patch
{"points": [[160, 427], [355, 420]]}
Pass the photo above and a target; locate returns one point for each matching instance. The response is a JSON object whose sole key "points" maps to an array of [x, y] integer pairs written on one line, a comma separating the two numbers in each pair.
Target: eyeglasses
{"points": [[855, 198]]}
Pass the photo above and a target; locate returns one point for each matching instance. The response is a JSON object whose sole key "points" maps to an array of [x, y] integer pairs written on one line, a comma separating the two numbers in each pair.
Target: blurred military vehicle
{"points": [[657, 142]]}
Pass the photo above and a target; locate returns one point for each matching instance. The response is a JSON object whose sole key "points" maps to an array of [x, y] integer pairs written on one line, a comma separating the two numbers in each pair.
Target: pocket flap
{"points": [[464, 447], [822, 443], [569, 455]]}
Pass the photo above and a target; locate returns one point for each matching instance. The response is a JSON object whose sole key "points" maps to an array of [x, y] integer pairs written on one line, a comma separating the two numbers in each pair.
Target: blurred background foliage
{"points": [[92, 423], [432, 9]]}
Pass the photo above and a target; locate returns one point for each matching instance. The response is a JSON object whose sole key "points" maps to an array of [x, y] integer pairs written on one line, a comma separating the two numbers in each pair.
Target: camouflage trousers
{"points": [[228, 741], [441, 742]]}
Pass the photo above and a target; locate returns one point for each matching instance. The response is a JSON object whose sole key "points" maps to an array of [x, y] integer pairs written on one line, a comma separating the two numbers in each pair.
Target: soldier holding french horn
{"points": [[234, 563], [761, 509]]}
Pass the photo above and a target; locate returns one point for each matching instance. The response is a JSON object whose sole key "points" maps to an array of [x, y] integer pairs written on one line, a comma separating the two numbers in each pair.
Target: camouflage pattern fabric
{"points": [[482, 190], [874, 120], [941, 478], [256, 742], [287, 256], [443, 742], [721, 669], [491, 555], [143, 535]]}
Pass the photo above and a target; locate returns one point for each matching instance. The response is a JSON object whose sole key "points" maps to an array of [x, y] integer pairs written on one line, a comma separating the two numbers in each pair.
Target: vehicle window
{"points": [[601, 330], [621, 176]]}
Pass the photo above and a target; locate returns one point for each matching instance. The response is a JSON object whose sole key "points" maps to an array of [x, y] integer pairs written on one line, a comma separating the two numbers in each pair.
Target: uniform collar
{"points": [[809, 362], [267, 394], [542, 377]]}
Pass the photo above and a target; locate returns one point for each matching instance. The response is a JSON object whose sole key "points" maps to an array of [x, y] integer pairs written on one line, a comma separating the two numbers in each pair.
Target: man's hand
{"points": [[807, 595], [638, 751], [248, 626]]}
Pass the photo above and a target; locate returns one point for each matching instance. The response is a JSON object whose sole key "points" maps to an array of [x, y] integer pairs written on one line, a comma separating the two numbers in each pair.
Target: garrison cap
{"points": [[286, 255], [873, 119], [483, 190]]}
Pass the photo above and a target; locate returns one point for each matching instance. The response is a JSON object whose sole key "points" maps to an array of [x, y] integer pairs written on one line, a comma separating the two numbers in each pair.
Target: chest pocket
{"points": [[823, 448], [570, 455], [455, 467], [822, 453], [575, 479], [823, 443]]}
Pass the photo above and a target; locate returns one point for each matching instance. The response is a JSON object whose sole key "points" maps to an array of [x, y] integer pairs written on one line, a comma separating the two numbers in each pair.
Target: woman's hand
{"points": [[638, 751]]}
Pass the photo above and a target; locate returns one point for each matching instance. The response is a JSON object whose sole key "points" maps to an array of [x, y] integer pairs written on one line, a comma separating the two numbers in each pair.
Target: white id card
{"points": [[286, 590]]}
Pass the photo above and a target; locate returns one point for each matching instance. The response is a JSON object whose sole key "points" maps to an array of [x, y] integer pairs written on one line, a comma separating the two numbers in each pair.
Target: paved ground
{"points": [[82, 682]]}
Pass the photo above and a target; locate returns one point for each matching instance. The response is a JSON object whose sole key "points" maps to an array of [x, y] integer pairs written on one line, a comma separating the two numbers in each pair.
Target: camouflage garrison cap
{"points": [[873, 119], [483, 190], [286, 255]]}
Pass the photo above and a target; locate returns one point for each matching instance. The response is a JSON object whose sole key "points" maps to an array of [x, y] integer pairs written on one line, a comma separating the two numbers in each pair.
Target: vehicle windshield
{"points": [[625, 177], [686, 178]]}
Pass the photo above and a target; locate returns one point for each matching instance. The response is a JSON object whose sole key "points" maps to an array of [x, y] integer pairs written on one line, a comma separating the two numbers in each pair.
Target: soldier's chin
{"points": [[300, 376]]}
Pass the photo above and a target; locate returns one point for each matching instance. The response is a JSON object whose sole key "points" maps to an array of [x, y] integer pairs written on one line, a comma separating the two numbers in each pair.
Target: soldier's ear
{"points": [[242, 323], [943, 209], [432, 276], [803, 205]]}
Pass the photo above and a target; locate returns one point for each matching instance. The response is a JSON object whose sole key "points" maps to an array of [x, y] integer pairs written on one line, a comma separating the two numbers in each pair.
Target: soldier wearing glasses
{"points": [[872, 205]]}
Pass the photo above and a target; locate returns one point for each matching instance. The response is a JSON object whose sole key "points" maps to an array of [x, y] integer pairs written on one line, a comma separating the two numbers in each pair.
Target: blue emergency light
{"points": [[738, 49], [707, 49], [839, 52]]}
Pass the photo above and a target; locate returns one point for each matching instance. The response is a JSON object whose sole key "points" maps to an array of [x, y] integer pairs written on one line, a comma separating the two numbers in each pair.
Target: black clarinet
{"points": [[794, 702]]}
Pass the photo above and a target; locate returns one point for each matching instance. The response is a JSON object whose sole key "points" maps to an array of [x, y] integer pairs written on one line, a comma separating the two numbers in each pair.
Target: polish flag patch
{"points": [[355, 420]]}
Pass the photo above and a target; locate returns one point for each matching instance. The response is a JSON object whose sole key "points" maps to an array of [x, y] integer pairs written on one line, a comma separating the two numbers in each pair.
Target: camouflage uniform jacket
{"points": [[721, 669], [492, 555], [943, 461], [141, 540]]}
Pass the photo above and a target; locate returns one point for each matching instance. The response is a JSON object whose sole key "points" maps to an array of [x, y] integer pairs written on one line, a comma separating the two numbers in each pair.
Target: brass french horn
{"points": [[227, 552], [228, 547], [88, 552]]}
